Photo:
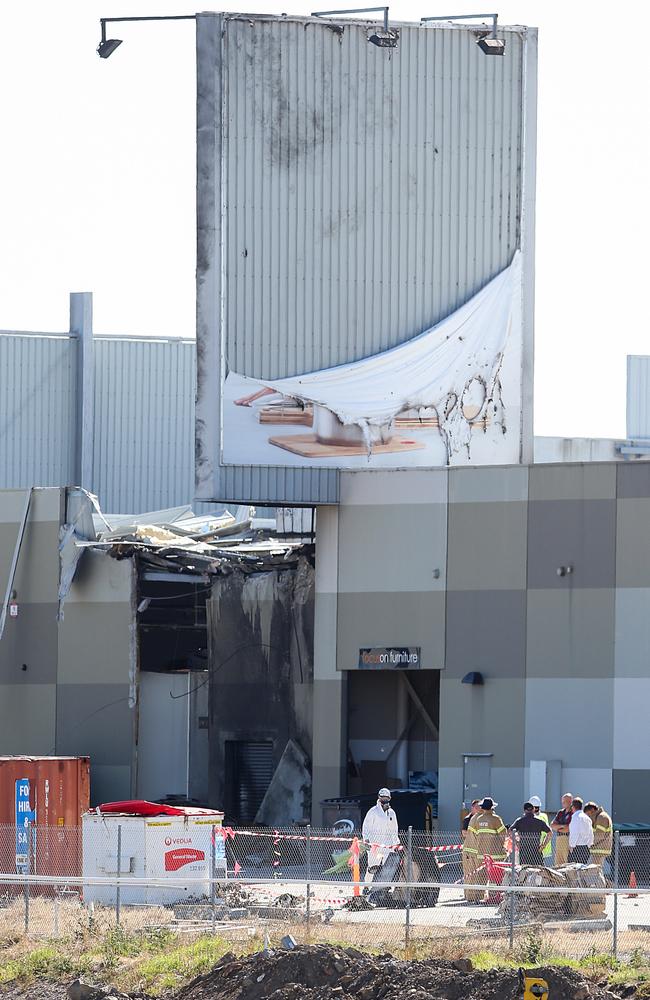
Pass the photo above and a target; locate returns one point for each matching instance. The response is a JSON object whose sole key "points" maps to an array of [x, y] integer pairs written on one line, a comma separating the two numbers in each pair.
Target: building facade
{"points": [[536, 579]]}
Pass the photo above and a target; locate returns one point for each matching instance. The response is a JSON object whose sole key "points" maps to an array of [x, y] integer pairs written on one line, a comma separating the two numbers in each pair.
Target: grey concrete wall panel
{"points": [[37, 574], [633, 543], [95, 719], [80, 629], [590, 783], [573, 482], [631, 730], [486, 631], [330, 688], [27, 719], [37, 410], [496, 484], [109, 783], [487, 546], [391, 619], [562, 533], [638, 396], [632, 638], [392, 548], [570, 633], [143, 454], [633, 480], [630, 795], [510, 790], [450, 797], [573, 721], [415, 486], [488, 719], [28, 652], [328, 146]]}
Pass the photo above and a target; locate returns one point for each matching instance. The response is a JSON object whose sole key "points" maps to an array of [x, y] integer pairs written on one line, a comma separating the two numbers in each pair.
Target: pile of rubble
{"points": [[560, 905], [326, 973]]}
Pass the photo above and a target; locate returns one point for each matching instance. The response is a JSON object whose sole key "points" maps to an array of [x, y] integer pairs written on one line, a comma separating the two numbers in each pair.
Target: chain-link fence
{"points": [[422, 895]]}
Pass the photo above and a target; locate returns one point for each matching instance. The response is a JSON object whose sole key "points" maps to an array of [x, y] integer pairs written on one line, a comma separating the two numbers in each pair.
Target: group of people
{"points": [[584, 835]]}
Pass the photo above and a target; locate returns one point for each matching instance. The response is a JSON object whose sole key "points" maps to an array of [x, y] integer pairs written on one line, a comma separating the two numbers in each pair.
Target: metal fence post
{"points": [[308, 866], [29, 871], [118, 888], [409, 879], [213, 866], [616, 887], [512, 889]]}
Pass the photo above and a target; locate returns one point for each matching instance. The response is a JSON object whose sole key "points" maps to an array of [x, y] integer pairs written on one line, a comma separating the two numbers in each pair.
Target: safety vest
{"points": [[546, 851], [486, 836], [603, 834]]}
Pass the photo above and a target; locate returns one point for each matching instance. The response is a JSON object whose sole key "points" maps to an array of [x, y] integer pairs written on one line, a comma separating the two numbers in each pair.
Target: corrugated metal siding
{"points": [[368, 192], [37, 410], [363, 194], [638, 396], [144, 417]]}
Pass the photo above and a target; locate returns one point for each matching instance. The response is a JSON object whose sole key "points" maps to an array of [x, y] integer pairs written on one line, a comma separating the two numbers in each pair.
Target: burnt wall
{"points": [[260, 648]]}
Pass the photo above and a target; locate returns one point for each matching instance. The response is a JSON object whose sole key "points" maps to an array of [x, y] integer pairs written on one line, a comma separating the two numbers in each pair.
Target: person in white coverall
{"points": [[380, 833]]}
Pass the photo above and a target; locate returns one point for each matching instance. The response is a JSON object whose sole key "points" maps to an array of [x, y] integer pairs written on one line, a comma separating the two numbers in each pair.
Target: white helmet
{"points": [[535, 801], [383, 793]]}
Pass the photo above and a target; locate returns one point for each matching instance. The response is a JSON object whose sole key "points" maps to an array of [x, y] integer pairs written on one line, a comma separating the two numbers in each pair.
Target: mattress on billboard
{"points": [[449, 396]]}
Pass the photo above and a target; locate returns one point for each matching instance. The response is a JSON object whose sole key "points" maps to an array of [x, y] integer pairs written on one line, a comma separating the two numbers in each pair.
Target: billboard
{"points": [[364, 275]]}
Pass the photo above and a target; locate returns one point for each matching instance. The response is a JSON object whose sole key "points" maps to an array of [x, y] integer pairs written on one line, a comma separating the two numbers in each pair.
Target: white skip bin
{"points": [[173, 853]]}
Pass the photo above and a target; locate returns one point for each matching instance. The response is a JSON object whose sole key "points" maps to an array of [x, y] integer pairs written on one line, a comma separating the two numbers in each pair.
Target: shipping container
{"points": [[177, 849], [42, 800]]}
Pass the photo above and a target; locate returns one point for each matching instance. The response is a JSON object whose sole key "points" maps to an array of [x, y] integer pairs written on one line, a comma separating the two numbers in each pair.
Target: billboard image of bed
{"points": [[365, 261]]}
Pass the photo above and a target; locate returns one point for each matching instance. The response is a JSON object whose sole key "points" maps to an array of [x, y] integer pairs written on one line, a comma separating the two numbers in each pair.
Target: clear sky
{"points": [[98, 185]]}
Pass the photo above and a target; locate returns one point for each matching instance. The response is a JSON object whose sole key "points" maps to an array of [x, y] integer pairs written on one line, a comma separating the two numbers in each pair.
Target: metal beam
{"points": [[419, 705], [81, 327]]}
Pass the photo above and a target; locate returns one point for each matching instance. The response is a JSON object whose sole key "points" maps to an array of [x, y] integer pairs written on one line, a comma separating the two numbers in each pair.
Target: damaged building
{"points": [[126, 639]]}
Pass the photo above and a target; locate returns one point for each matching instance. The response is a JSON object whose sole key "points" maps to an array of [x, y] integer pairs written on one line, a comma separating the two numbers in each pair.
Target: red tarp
{"points": [[140, 807]]}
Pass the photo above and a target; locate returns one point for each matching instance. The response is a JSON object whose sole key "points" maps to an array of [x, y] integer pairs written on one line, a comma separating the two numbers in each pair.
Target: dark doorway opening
{"points": [[249, 770], [393, 720]]}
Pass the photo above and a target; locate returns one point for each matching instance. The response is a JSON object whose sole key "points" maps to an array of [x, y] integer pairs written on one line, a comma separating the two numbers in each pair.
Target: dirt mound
{"points": [[324, 973]]}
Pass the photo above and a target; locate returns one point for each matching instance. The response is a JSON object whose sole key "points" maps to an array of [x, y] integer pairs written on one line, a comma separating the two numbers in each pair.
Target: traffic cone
{"points": [[633, 885], [355, 867]]}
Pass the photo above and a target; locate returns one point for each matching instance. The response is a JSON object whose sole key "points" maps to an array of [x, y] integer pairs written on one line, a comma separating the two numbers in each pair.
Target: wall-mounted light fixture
{"points": [[384, 39], [107, 46], [474, 677], [487, 43], [564, 570]]}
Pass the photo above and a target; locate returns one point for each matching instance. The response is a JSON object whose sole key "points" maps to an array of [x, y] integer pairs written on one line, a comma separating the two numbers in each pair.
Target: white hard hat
{"points": [[535, 801], [383, 793]]}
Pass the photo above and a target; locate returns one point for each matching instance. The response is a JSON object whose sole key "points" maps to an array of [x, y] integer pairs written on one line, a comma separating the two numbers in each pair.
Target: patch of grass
{"points": [[47, 962], [170, 969]]}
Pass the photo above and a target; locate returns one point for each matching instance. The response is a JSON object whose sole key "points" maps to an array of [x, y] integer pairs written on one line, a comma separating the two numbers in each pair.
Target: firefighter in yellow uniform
{"points": [[469, 856], [603, 833], [485, 838]]}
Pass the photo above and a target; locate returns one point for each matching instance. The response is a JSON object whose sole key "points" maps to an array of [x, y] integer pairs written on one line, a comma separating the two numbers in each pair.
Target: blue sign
{"points": [[25, 817]]}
